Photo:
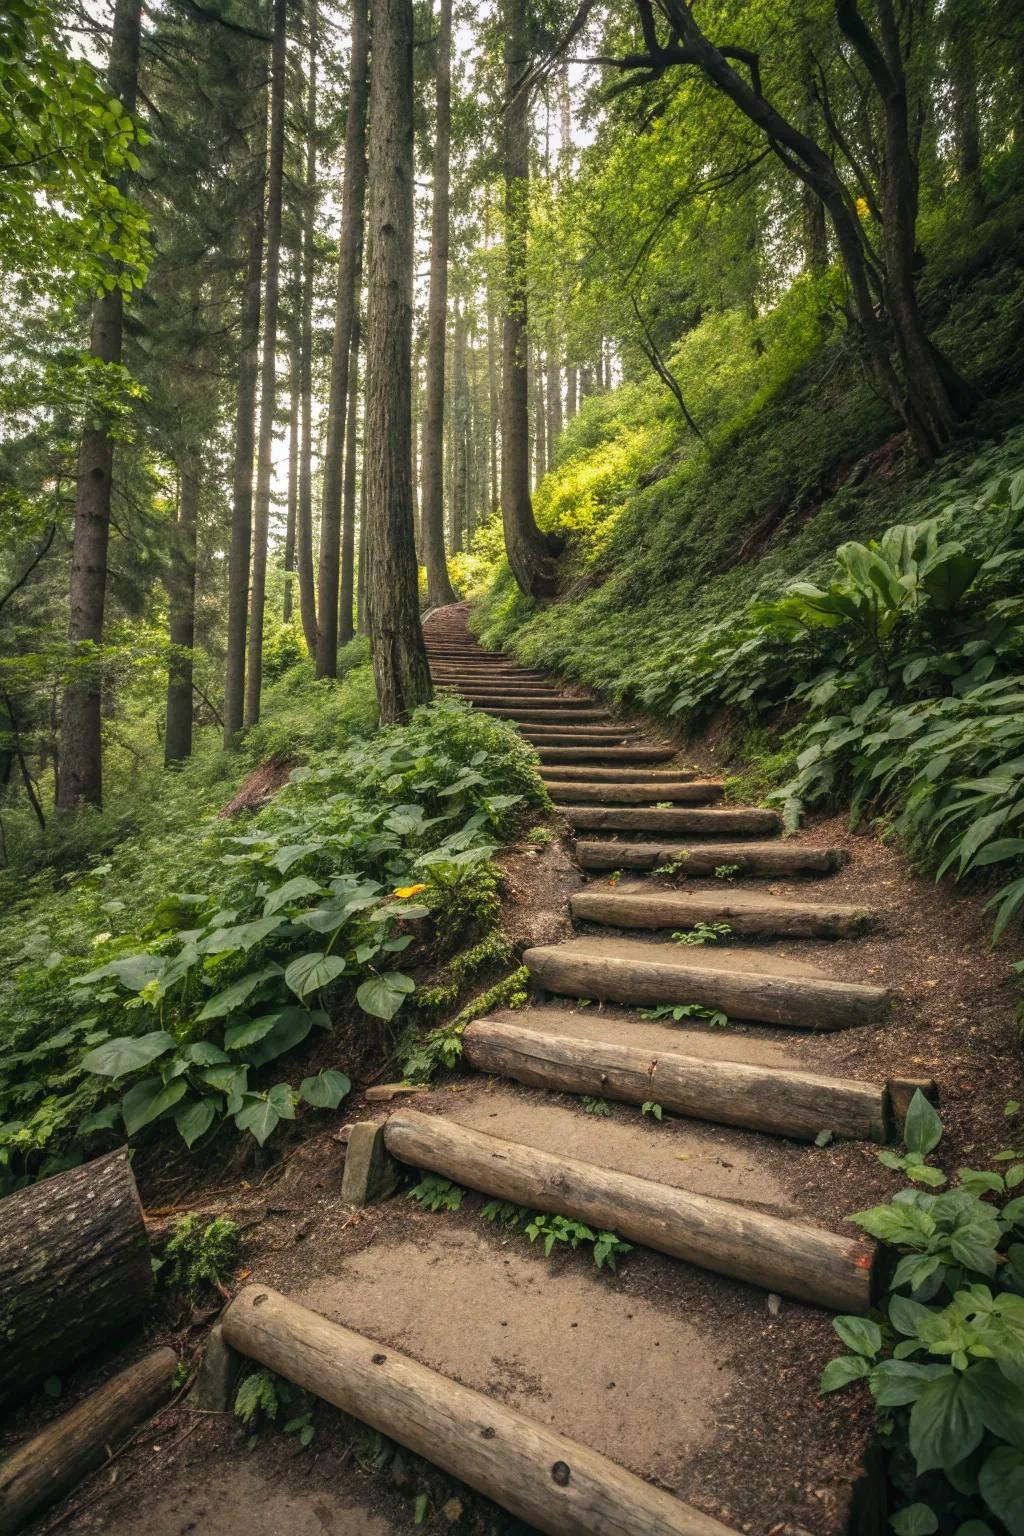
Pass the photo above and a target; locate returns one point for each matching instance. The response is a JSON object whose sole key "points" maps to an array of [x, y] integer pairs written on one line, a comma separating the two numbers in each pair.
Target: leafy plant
{"points": [[199, 1256], [673, 865], [436, 1194], [552, 1230], [262, 1395], [653, 1108], [726, 871], [703, 933], [592, 1106], [944, 1359], [679, 1011]]}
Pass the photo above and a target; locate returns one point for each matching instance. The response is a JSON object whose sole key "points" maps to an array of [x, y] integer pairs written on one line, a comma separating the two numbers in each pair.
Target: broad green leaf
{"points": [[128, 1053], [148, 1100], [241, 936], [859, 1334], [194, 1119], [914, 1520], [292, 890], [292, 1027], [841, 1371], [897, 1383], [383, 995], [232, 997], [283, 1098], [326, 1090], [922, 1130], [1001, 1481], [310, 972], [259, 1118], [945, 1425]]}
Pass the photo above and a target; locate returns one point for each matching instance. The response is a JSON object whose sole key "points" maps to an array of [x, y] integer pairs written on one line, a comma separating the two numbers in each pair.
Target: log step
{"points": [[563, 715], [759, 1098], [737, 821], [745, 984], [572, 750], [773, 859], [587, 735], [568, 772], [788, 1257], [538, 701], [745, 912], [680, 791], [552, 1483]]}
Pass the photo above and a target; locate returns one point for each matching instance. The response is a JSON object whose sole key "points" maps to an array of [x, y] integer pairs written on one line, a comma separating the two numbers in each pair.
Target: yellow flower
{"points": [[409, 890], [862, 207]]}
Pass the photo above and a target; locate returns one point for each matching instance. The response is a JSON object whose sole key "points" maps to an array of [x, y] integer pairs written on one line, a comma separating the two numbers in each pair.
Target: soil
{"points": [[703, 1385]]}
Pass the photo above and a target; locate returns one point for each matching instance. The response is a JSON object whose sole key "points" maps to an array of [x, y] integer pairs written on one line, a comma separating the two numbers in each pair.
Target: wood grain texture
{"points": [[725, 822], [566, 749], [540, 1476], [559, 773], [680, 791], [774, 1099], [54, 1461], [704, 859], [787, 1257], [769, 997], [745, 913], [74, 1266]]}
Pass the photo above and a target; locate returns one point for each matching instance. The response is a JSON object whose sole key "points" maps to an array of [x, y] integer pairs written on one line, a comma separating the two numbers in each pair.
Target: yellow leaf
{"points": [[408, 890]]}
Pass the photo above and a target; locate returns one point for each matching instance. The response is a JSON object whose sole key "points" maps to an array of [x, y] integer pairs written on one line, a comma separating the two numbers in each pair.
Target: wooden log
{"points": [[547, 1480], [774, 1099], [735, 821], [768, 997], [704, 858], [54, 1461], [564, 714], [560, 773], [679, 791], [74, 1267], [743, 911], [788, 1257], [569, 749]]}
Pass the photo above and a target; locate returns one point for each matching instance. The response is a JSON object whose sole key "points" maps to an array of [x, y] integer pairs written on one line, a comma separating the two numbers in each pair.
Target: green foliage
{"points": [[652, 1108], [260, 1398], [703, 933], [680, 1011], [441, 1048], [199, 1257], [436, 1194], [592, 1106], [189, 995], [944, 1358]]}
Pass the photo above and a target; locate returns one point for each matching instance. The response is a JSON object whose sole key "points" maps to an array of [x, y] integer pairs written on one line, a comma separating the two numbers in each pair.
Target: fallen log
{"points": [[787, 1257], [74, 1267], [668, 976], [540, 1476], [706, 858], [774, 1099], [54, 1461]]}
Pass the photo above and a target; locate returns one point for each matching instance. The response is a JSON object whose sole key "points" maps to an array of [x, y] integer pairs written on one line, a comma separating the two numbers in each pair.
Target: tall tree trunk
{"points": [[268, 369], [963, 80], [304, 511], [293, 457], [529, 550], [81, 743], [571, 391], [348, 519], [553, 392], [182, 613], [493, 397], [245, 441], [361, 574], [400, 665], [350, 246], [439, 587], [540, 417]]}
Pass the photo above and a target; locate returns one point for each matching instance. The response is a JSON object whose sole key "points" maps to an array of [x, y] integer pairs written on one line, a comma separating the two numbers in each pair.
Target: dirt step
{"points": [[555, 774], [789, 1257], [769, 859], [746, 912], [782, 1102], [682, 791], [744, 984], [572, 750], [562, 715], [736, 820]]}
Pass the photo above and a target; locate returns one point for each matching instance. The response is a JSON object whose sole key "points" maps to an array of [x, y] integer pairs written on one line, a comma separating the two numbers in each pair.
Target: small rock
{"points": [[774, 1304], [452, 1510]]}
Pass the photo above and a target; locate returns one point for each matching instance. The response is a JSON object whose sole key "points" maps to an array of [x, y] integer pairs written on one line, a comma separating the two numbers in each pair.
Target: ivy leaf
{"points": [[148, 1100], [326, 1090], [128, 1053], [383, 995], [194, 1119], [236, 994], [310, 972], [945, 1425]]}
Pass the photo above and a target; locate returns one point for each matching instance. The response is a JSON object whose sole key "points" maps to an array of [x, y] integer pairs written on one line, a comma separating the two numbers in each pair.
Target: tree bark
{"points": [[554, 401], [349, 263], [400, 665], [493, 392], [268, 368], [245, 442], [307, 580], [288, 605], [55, 1461], [439, 588], [182, 614], [571, 391], [74, 1268], [539, 409], [346, 591], [460, 434], [80, 780]]}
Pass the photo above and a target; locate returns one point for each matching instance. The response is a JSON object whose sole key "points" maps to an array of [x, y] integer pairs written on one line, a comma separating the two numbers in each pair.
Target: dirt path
{"points": [[685, 1374]]}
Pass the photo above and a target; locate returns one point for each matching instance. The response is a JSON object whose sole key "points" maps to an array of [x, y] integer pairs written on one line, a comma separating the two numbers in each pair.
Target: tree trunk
{"points": [[493, 395], [81, 745], [307, 580], [963, 80], [348, 522], [74, 1268], [554, 401], [268, 369], [529, 550], [245, 440], [539, 416], [400, 664], [439, 587], [361, 577], [460, 434], [55, 1460], [571, 391], [349, 263], [293, 457], [182, 614]]}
